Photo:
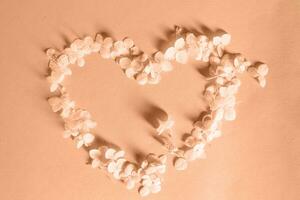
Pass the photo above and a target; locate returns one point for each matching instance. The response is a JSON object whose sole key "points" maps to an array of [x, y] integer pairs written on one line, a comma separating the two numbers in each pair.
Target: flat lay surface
{"points": [[256, 158]]}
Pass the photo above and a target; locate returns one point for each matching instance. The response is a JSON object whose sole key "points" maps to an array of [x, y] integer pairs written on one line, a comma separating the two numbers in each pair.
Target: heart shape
{"points": [[147, 69]]}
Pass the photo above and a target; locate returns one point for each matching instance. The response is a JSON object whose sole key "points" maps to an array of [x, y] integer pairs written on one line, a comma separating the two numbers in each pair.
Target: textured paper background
{"points": [[257, 158]]}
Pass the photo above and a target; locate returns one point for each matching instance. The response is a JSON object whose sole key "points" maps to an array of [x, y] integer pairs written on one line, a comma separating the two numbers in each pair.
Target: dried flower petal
{"points": [[229, 114], [96, 163], [182, 56], [130, 72], [262, 81], [165, 125], [262, 69], [180, 164], [109, 154], [124, 62], [50, 53], [88, 138], [155, 188], [170, 53], [128, 43], [94, 153], [144, 191], [130, 184], [142, 78], [179, 43], [80, 62], [226, 38]]}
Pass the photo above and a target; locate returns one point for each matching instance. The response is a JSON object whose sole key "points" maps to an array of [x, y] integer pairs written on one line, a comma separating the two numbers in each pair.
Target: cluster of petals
{"points": [[114, 162], [77, 122], [151, 169], [197, 47], [146, 175], [220, 93]]}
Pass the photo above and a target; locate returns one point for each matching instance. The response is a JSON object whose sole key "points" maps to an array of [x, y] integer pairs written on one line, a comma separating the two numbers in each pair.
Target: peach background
{"points": [[257, 158]]}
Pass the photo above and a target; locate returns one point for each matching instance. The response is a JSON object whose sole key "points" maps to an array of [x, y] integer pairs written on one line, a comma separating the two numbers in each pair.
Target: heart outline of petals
{"points": [[224, 83]]}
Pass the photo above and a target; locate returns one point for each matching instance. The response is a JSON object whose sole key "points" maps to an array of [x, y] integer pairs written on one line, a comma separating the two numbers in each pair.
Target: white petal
{"points": [[216, 40], [230, 101], [135, 50], [75, 133], [88, 138], [80, 62], [116, 174], [220, 80], [200, 154], [202, 38], [63, 60], [111, 167], [191, 39], [182, 56], [197, 132], [72, 58], [156, 180], [144, 57], [77, 44], [128, 169], [166, 66], [109, 154], [163, 158], [262, 81], [96, 163], [220, 50], [105, 53], [95, 47], [230, 114], [199, 147], [170, 53], [130, 184], [88, 40], [144, 164], [119, 154], [180, 164], [128, 43], [120, 162], [154, 80], [262, 69], [99, 38], [124, 62], [55, 103], [150, 169], [189, 154], [144, 191], [142, 78], [190, 141], [50, 52], [158, 56], [90, 124], [119, 44], [67, 134], [155, 188], [218, 114], [108, 42], [79, 143], [130, 72], [226, 38], [147, 182], [179, 43], [94, 153], [162, 169]]}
